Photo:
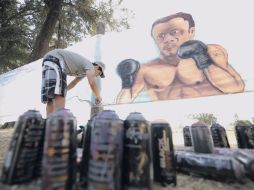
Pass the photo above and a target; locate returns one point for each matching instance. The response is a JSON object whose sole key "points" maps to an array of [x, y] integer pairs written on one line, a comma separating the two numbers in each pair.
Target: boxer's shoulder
{"points": [[215, 47]]}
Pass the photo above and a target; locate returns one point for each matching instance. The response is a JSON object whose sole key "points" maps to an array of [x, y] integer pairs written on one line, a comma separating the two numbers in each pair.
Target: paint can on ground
{"points": [[106, 152], [164, 166], [59, 156], [137, 154], [219, 136], [201, 138], [187, 136], [21, 160]]}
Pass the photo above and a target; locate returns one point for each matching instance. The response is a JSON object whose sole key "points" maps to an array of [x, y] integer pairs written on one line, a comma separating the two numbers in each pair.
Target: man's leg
{"points": [[49, 107], [58, 102], [55, 87]]}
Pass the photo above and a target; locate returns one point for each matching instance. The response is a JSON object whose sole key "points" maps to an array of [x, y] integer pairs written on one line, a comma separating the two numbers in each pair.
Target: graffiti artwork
{"points": [[185, 68]]}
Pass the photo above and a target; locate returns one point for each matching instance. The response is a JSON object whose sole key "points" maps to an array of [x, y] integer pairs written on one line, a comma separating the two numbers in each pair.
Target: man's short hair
{"points": [[185, 16]]}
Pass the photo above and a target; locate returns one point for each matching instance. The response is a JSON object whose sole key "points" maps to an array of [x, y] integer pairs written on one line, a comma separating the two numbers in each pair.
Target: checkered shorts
{"points": [[53, 81]]}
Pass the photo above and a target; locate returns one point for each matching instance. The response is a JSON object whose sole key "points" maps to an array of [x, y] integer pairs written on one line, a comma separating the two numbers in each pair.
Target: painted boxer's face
{"points": [[170, 35]]}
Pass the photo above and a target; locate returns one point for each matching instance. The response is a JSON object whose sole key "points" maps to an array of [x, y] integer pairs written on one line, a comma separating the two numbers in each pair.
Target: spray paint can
{"points": [[21, 158], [59, 156], [137, 155], [201, 138], [164, 166], [80, 135], [219, 136], [81, 131], [38, 167], [221, 151], [86, 153], [187, 136], [213, 166], [250, 136], [106, 149], [247, 159], [244, 135], [244, 156]]}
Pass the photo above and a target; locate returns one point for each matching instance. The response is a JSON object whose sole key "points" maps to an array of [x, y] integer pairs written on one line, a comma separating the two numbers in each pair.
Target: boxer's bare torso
{"points": [[164, 82], [184, 80]]}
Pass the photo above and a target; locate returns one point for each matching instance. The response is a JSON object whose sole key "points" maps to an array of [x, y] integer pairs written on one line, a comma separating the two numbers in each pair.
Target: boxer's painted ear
{"points": [[192, 31]]}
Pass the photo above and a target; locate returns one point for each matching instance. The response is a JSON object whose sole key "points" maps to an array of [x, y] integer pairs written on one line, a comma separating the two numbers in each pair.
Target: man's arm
{"points": [[90, 77], [73, 83], [221, 73]]}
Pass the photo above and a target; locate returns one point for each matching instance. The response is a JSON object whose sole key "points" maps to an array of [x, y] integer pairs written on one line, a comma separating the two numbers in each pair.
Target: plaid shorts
{"points": [[53, 81]]}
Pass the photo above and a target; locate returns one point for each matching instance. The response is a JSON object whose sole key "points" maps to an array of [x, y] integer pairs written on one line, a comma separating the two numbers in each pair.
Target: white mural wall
{"points": [[217, 22]]}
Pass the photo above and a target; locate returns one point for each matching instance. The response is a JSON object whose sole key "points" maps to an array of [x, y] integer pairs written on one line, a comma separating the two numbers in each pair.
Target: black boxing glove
{"points": [[127, 70], [197, 50]]}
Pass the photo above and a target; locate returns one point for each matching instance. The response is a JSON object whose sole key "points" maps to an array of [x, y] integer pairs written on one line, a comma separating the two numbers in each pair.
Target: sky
{"points": [[228, 23]]}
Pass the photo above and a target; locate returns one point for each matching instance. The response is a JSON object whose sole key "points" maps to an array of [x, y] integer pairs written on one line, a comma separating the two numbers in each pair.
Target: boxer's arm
{"points": [[127, 70], [213, 62], [139, 84], [124, 96], [221, 73]]}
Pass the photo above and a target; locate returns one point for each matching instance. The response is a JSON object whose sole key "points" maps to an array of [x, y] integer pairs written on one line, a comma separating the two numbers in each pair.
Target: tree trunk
{"points": [[41, 44]]}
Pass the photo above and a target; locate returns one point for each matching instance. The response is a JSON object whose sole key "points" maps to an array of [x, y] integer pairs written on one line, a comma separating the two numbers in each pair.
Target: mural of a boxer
{"points": [[186, 68]]}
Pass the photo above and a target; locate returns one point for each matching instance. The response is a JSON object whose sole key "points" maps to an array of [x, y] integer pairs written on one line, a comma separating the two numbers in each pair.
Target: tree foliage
{"points": [[14, 37], [238, 121], [207, 118], [33, 27]]}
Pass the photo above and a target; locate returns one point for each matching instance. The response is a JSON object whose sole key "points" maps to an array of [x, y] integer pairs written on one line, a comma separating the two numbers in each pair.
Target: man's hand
{"points": [[98, 100]]}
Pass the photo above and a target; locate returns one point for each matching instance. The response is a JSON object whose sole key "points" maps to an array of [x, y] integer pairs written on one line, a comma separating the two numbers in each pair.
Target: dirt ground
{"points": [[184, 182]]}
